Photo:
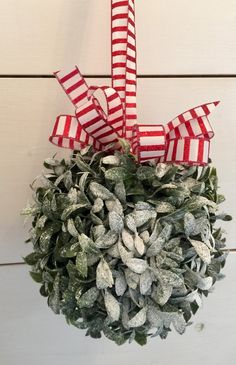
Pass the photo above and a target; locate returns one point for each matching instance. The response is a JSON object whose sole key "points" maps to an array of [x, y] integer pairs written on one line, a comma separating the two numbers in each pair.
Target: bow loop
{"points": [[185, 139]]}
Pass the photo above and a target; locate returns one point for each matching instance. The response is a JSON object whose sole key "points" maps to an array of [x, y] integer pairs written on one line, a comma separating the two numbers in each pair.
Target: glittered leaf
{"points": [[168, 278], [114, 205], [71, 209], [120, 192], [189, 224], [106, 241], [111, 160], [71, 228], [127, 239], [145, 282], [112, 307], [124, 254], [81, 264], [130, 223], [202, 251], [98, 205], [115, 222], [88, 299], [179, 323], [139, 319], [117, 174], [143, 216], [99, 191], [139, 245], [159, 243], [145, 172], [104, 277], [162, 293], [120, 284], [137, 265]]}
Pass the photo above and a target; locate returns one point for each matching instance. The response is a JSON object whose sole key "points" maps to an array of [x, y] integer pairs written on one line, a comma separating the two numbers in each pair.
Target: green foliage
{"points": [[123, 249]]}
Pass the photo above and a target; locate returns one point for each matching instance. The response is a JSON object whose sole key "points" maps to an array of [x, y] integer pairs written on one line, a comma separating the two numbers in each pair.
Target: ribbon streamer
{"points": [[186, 139]]}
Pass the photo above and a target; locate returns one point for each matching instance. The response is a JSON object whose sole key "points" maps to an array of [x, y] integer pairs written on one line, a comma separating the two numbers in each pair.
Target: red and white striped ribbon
{"points": [[186, 139]]}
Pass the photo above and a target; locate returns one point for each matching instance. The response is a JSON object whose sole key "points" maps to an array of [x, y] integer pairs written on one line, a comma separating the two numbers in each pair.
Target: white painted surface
{"points": [[174, 37], [28, 108], [187, 37], [32, 334]]}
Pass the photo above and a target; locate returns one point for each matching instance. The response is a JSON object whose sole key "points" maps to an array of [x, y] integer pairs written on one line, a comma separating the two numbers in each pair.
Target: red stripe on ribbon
{"points": [[186, 139]]}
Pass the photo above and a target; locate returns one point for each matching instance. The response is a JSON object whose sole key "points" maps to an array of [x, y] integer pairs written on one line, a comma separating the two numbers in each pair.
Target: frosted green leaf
{"points": [[124, 254], [137, 265], [112, 307], [85, 242], [171, 244], [117, 174], [114, 205], [162, 293], [54, 298], [120, 192], [30, 210], [45, 239], [204, 228], [179, 323], [168, 278], [83, 180], [143, 216], [70, 250], [120, 284], [71, 228], [88, 299], [113, 251], [111, 160], [154, 317], [164, 207], [106, 241], [115, 222], [139, 319], [143, 206], [132, 279], [145, 236], [98, 231], [130, 223], [72, 195], [161, 170], [127, 239], [68, 180], [99, 191], [145, 172], [104, 277], [97, 206], [145, 282], [81, 264], [139, 245], [71, 209], [159, 243], [202, 251], [125, 319], [198, 202], [41, 222], [205, 283], [189, 224]]}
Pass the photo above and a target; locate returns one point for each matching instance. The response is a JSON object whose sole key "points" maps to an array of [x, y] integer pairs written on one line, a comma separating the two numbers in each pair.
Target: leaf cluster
{"points": [[125, 249]]}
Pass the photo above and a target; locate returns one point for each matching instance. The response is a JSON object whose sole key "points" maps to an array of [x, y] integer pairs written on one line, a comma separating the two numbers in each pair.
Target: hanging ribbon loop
{"points": [[185, 140]]}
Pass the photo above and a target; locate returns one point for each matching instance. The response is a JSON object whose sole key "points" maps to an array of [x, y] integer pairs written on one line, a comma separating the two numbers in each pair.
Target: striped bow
{"points": [[186, 139]]}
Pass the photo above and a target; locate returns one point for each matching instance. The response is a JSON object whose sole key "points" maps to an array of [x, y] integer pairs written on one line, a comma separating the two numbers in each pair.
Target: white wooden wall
{"points": [[187, 50]]}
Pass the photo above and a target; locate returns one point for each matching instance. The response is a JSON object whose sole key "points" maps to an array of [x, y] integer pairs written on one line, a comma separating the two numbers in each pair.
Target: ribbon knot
{"points": [[186, 139]]}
